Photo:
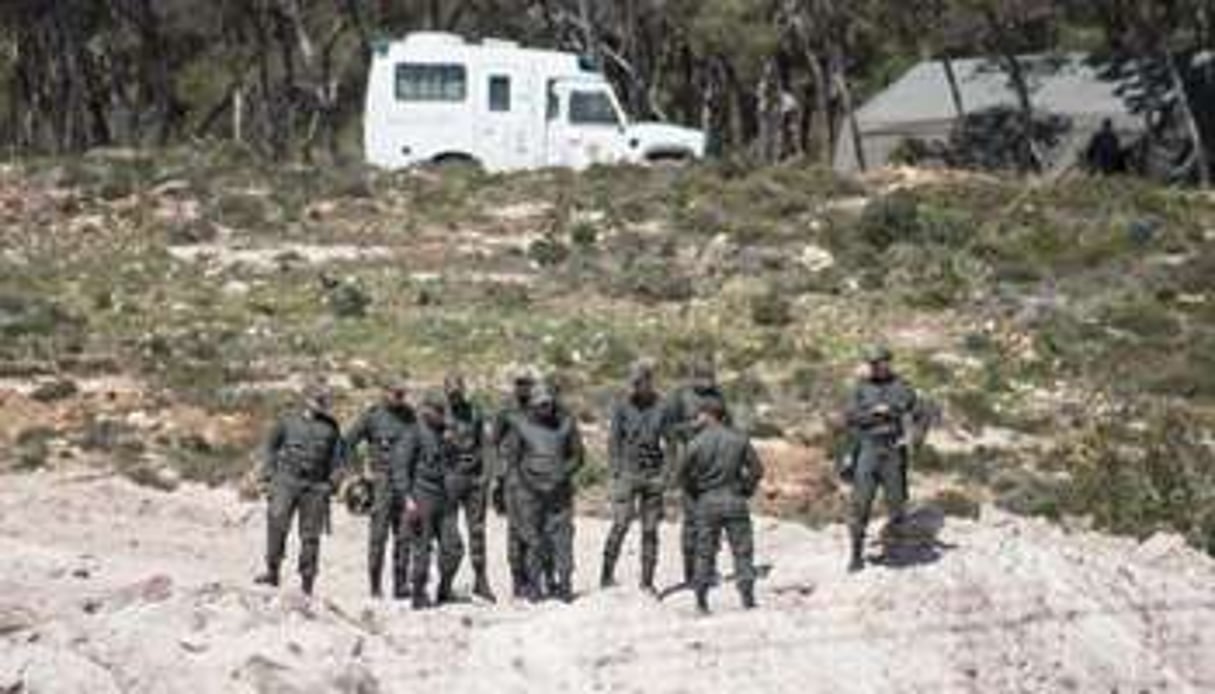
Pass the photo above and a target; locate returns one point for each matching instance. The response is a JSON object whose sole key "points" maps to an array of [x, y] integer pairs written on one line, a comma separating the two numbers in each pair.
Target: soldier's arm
{"points": [[616, 438], [403, 462], [685, 467], [270, 451], [577, 451], [340, 454], [753, 469]]}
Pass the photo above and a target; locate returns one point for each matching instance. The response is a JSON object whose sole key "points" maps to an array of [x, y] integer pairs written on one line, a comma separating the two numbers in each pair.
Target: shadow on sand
{"points": [[913, 542]]}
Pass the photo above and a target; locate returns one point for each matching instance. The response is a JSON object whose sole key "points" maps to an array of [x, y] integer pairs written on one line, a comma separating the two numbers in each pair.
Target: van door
{"points": [[585, 125], [503, 127]]}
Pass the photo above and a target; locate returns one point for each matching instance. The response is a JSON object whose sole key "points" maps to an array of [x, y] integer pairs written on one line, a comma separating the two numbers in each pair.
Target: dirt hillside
{"points": [[106, 586]]}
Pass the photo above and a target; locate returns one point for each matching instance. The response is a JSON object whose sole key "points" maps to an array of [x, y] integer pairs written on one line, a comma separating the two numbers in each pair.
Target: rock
{"points": [[816, 259], [235, 289], [15, 618]]}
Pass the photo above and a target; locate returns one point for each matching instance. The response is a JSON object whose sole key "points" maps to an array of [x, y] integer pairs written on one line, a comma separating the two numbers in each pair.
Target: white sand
{"points": [[107, 587]]}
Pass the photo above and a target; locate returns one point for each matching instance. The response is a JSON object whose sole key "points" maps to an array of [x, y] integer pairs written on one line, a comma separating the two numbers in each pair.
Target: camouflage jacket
{"points": [[303, 446], [878, 410], [638, 439], [720, 464], [380, 427], [544, 456]]}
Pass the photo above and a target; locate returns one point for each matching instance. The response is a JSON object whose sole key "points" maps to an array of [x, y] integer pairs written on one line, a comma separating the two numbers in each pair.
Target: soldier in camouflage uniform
{"points": [[381, 427], [877, 415], [300, 468], [681, 410], [637, 454], [420, 463], [466, 482], [505, 492], [543, 452], [720, 472]]}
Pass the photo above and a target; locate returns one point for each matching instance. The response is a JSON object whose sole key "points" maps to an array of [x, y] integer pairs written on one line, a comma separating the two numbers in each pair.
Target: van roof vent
{"points": [[434, 38], [499, 43]]}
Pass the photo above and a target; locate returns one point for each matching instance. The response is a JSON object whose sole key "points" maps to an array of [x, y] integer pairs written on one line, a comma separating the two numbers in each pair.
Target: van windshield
{"points": [[592, 107]]}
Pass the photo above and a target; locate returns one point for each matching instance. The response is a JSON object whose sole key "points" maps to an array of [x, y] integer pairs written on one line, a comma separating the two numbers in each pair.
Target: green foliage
{"points": [[771, 309], [1153, 474], [548, 251]]}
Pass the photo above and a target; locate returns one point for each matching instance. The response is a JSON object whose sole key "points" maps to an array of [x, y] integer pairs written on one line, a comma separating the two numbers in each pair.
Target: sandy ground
{"points": [[109, 587]]}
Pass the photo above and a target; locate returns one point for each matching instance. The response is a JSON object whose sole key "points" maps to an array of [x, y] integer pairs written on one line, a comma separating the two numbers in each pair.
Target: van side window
{"points": [[499, 93], [592, 108], [419, 82]]}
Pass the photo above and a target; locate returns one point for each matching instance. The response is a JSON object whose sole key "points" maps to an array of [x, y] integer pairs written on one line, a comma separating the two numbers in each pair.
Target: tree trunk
{"points": [[1016, 74], [955, 92], [1191, 123]]}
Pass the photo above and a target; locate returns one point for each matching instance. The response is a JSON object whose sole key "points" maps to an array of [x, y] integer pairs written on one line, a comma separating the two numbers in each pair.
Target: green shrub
{"points": [[548, 251], [771, 309], [1141, 477]]}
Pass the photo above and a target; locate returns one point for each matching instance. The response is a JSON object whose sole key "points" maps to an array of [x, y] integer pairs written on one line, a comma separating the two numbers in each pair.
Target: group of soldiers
{"points": [[433, 462]]}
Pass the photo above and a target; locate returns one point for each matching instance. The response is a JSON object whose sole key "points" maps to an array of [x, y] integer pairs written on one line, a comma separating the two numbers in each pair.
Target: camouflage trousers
{"points": [[635, 496], [878, 465], [291, 499], [467, 497], [715, 517], [688, 538], [516, 542], [546, 525], [434, 526], [387, 520]]}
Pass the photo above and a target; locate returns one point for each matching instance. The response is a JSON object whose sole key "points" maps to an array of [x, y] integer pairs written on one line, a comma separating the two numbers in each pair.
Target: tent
{"points": [[919, 106]]}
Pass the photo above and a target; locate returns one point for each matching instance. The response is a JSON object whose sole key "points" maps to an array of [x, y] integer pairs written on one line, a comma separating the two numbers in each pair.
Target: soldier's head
{"points": [[433, 409], [877, 361], [711, 411], [454, 386], [396, 391], [702, 374], [641, 379], [523, 384], [318, 398], [544, 404]]}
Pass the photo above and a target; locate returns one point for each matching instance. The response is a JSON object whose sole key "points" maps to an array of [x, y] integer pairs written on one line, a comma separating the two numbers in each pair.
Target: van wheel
{"points": [[455, 162], [670, 160]]}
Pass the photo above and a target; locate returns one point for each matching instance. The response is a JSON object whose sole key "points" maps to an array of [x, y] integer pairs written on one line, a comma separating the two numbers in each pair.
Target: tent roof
{"points": [[1064, 84]]}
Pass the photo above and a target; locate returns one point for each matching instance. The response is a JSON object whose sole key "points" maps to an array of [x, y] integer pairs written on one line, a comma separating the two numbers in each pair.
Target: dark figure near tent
{"points": [[1104, 155]]}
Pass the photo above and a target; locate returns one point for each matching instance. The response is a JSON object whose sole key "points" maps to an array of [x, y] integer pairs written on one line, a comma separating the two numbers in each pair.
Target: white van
{"points": [[434, 97]]}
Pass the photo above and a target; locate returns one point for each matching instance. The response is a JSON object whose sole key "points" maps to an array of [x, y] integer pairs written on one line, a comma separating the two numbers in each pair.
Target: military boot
{"points": [[647, 575], [307, 583], [689, 570], [270, 577], [420, 600], [481, 587], [746, 590], [856, 561], [607, 574], [702, 600], [400, 587], [563, 591], [377, 585], [444, 595]]}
